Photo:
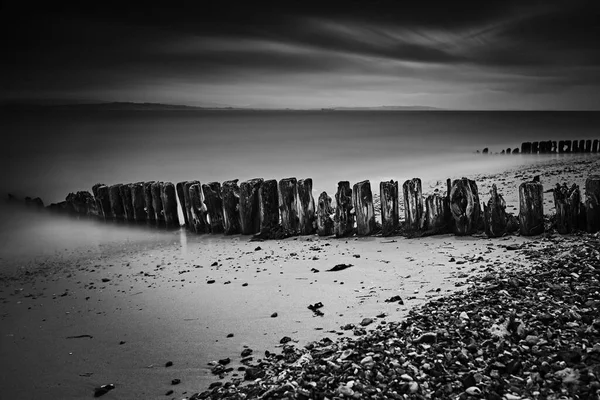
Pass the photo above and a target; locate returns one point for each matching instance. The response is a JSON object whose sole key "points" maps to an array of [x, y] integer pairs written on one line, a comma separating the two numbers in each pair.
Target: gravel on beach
{"points": [[512, 334]]}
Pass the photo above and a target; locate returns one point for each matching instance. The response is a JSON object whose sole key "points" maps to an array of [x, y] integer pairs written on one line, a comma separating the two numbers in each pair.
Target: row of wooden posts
{"points": [[274, 209], [553, 147]]}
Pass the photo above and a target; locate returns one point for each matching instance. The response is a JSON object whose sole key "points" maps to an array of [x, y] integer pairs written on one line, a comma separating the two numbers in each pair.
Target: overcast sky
{"points": [[450, 54]]}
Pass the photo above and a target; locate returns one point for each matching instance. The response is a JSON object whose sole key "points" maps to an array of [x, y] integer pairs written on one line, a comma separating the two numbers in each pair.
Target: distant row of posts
{"points": [[554, 147], [271, 210]]}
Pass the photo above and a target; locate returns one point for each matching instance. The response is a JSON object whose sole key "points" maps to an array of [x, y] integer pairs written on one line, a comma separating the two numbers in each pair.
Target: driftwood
{"points": [[569, 208], [199, 214], [127, 201], [389, 207], [414, 212], [436, 219], [268, 206], [306, 207], [186, 206], [230, 193], [344, 215], [495, 219], [148, 205], [169, 199], [157, 203], [137, 199], [103, 200], [531, 210], [592, 203], [325, 223], [288, 204], [180, 189], [362, 200], [214, 205], [464, 206], [250, 206], [116, 202]]}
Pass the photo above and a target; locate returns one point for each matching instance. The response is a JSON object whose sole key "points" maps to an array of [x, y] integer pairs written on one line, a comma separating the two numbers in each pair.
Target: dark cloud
{"points": [[511, 46]]}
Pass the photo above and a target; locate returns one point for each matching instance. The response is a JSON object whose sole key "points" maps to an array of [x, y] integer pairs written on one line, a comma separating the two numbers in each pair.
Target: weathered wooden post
{"points": [[495, 220], [435, 214], [103, 200], [214, 205], [169, 200], [464, 206], [515, 150], [268, 206], [553, 146], [116, 202], [569, 208], [137, 200], [595, 146], [148, 205], [567, 146], [592, 203], [325, 225], [230, 193], [362, 200], [588, 146], [157, 203], [288, 204], [561, 146], [526, 147], [344, 215], [535, 147], [81, 203], [199, 211], [250, 206], [531, 210], [582, 146], [414, 212], [186, 206], [575, 147], [485, 150], [99, 211], [306, 207], [179, 187], [390, 219], [508, 151], [127, 201]]}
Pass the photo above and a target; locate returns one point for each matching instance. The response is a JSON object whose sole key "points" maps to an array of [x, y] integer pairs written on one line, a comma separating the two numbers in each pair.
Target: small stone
{"points": [[169, 364], [366, 360], [285, 339], [169, 392], [105, 280], [102, 390], [224, 361], [246, 352], [413, 387], [473, 391], [210, 281], [345, 391], [176, 381], [230, 335], [274, 315], [257, 248], [366, 321]]}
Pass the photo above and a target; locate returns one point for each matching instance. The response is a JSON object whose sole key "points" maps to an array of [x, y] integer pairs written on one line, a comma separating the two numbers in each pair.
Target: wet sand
{"points": [[146, 305]]}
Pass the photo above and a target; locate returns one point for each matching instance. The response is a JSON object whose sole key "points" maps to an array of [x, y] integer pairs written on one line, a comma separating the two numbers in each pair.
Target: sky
{"points": [[297, 54]]}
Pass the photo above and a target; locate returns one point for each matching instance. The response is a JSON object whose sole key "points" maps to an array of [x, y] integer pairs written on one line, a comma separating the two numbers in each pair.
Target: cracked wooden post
{"points": [[148, 205], [180, 188], [169, 200], [199, 214], [592, 203], [561, 146], [569, 208], [137, 200], [325, 225], [288, 204], [250, 206], [389, 207], [568, 146], [116, 202], [495, 220], [99, 211], [531, 208], [268, 200], [230, 193], [414, 212], [362, 200], [186, 206], [214, 205], [306, 207], [554, 146], [464, 206], [157, 203], [103, 200], [344, 215], [127, 201], [435, 214], [595, 146]]}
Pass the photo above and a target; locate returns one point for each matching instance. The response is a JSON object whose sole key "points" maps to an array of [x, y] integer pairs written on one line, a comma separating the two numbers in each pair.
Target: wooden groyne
{"points": [[269, 209], [553, 147]]}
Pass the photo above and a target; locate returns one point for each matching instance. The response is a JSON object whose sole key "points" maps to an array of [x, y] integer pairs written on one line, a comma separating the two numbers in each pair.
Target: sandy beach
{"points": [[117, 315]]}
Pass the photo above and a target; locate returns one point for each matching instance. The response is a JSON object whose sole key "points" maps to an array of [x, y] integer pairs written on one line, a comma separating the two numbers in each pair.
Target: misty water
{"points": [[51, 153]]}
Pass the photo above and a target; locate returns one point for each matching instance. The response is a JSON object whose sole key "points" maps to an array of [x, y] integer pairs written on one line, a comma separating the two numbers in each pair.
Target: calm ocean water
{"points": [[50, 154]]}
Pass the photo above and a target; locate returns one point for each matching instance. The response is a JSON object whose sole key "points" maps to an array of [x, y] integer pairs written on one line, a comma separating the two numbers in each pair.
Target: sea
{"points": [[50, 153]]}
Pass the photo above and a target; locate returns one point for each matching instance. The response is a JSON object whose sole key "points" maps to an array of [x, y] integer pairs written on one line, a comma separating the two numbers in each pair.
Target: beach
{"points": [[84, 317]]}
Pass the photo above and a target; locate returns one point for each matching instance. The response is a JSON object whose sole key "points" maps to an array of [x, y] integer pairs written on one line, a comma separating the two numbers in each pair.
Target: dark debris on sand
{"points": [[513, 334]]}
